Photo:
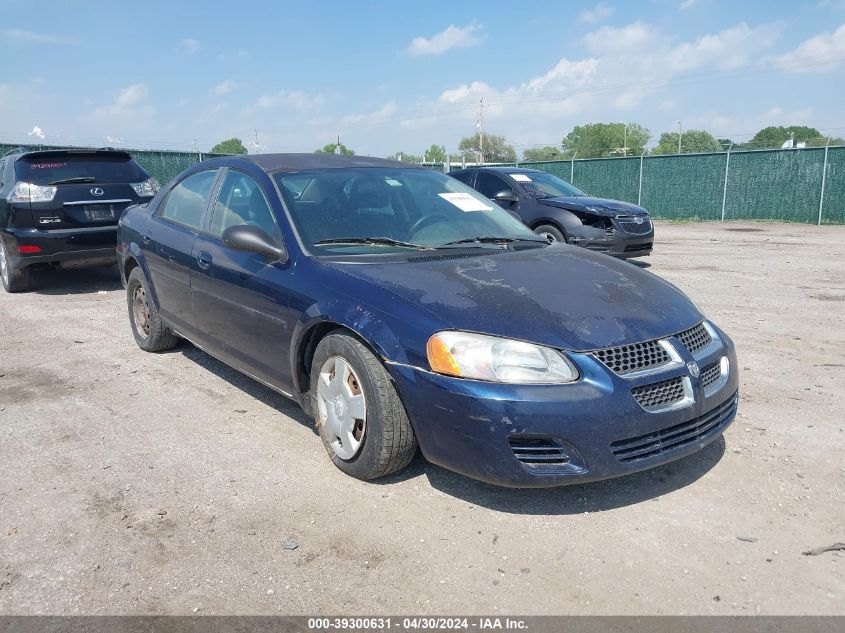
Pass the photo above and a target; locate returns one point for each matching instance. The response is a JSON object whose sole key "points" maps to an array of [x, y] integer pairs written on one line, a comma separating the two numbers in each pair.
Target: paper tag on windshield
{"points": [[393, 182], [520, 177], [465, 202]]}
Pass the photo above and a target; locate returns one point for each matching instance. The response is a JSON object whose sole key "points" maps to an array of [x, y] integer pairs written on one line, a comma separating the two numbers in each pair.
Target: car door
{"points": [[240, 299], [169, 241]]}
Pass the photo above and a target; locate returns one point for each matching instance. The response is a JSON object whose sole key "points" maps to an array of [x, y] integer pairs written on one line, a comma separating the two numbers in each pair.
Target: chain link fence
{"points": [[792, 185]]}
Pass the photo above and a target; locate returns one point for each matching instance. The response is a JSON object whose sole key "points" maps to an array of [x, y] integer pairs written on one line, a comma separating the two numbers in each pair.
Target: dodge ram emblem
{"points": [[693, 369]]}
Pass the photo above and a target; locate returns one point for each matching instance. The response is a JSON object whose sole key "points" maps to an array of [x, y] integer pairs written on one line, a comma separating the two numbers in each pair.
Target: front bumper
{"points": [[624, 239], [483, 430], [65, 247]]}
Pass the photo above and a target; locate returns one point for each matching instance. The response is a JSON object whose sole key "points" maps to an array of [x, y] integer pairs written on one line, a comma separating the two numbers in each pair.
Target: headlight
{"points": [[27, 192], [497, 359], [148, 188]]}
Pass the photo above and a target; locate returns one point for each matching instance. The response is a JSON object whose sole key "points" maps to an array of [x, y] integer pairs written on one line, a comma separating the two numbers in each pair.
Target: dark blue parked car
{"points": [[401, 308]]}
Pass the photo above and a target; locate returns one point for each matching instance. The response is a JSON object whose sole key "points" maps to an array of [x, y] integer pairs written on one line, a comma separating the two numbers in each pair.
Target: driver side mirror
{"points": [[251, 239], [506, 195]]}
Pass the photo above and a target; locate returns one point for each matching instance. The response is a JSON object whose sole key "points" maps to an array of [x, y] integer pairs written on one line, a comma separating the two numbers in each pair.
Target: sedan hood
{"points": [[561, 295], [597, 206]]}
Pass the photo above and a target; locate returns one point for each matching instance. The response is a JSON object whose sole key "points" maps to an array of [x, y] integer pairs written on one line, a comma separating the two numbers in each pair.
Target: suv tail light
{"points": [[27, 192], [148, 188]]}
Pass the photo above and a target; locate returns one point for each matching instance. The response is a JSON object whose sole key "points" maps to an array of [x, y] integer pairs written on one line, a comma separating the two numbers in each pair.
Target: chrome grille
{"points": [[674, 437], [628, 225], [711, 374], [634, 357], [660, 394], [695, 338]]}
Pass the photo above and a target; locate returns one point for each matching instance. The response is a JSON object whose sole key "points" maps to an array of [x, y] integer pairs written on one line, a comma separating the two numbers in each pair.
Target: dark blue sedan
{"points": [[401, 308]]}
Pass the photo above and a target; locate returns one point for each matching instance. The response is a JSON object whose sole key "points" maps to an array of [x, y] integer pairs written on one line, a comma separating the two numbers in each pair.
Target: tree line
{"points": [[593, 140]]}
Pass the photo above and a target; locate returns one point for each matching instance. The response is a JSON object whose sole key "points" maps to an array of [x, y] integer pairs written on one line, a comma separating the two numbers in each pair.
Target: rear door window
{"points": [[43, 170], [187, 201], [464, 176]]}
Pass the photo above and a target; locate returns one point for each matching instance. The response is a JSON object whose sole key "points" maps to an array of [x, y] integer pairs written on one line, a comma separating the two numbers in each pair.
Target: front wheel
{"points": [[150, 333], [15, 279], [361, 419], [551, 233]]}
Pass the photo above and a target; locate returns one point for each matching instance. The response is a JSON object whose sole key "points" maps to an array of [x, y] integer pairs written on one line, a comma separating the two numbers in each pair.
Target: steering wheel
{"points": [[425, 221]]}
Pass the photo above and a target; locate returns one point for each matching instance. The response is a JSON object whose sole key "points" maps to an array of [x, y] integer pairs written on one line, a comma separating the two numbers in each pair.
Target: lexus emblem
{"points": [[693, 369], [96, 191], [638, 220]]}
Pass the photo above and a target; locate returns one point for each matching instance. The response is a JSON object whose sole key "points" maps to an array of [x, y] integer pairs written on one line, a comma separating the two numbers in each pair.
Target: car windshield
{"points": [[539, 184], [376, 210], [100, 168]]}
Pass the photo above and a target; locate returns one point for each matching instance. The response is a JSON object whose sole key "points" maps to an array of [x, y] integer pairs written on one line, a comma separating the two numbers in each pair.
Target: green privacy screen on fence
{"points": [[784, 185]]}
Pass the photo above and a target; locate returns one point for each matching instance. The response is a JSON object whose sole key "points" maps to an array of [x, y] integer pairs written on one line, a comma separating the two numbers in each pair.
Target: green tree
{"points": [[542, 153], [496, 148], [436, 154], [332, 148], [691, 141], [406, 157], [229, 146], [775, 136], [596, 140]]}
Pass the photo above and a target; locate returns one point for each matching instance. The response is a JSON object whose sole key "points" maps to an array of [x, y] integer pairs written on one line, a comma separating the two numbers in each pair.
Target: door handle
{"points": [[147, 237], [204, 260]]}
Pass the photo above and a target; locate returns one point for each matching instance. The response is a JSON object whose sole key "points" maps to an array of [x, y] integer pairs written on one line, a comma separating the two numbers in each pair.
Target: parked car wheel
{"points": [[550, 233], [361, 419], [150, 333], [15, 279]]}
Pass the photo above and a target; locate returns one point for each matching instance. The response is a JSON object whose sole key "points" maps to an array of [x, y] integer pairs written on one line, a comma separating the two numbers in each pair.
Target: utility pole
{"points": [[255, 144], [337, 146], [481, 131], [680, 134], [625, 140]]}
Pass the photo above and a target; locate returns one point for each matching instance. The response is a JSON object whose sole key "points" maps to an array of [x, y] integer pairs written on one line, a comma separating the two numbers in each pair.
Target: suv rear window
{"points": [[43, 170]]}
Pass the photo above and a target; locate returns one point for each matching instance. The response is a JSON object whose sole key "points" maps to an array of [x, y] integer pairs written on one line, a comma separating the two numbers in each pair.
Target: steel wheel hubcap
{"points": [[341, 407], [4, 267], [548, 237], [141, 311]]}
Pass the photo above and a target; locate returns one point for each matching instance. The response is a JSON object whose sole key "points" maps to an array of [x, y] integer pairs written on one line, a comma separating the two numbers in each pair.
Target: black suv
{"points": [[61, 207], [560, 212]]}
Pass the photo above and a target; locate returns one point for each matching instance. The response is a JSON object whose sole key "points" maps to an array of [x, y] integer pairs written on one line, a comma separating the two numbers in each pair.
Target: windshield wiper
{"points": [[371, 241], [494, 240], [68, 181]]}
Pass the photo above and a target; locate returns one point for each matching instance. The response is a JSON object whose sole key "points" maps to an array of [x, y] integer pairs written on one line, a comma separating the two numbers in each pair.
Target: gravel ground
{"points": [[142, 483]]}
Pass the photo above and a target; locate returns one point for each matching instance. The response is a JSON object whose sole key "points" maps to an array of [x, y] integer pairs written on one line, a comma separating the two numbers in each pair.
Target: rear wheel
{"points": [[361, 419], [550, 233], [15, 278], [150, 333]]}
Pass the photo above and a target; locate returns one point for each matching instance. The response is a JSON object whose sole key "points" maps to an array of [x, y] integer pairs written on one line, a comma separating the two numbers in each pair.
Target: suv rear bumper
{"points": [[70, 248]]}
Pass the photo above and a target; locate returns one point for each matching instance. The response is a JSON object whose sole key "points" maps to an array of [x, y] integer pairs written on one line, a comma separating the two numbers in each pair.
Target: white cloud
{"points": [[37, 132], [735, 47], [687, 4], [821, 53], [288, 99], [224, 87], [451, 37], [598, 13], [21, 35], [384, 112], [668, 104], [126, 108], [609, 39], [188, 46]]}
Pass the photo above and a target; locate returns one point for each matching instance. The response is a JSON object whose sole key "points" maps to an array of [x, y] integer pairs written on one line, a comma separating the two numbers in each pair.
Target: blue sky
{"points": [[399, 76]]}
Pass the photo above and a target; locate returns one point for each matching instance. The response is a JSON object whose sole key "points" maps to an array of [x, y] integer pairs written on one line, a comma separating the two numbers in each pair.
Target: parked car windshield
{"points": [[43, 170], [376, 210], [539, 184]]}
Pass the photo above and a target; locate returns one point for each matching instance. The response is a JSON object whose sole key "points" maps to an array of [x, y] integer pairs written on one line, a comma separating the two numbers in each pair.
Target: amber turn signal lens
{"points": [[440, 358]]}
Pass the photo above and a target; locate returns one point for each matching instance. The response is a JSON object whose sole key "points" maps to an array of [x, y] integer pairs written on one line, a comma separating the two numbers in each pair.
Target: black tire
{"points": [[388, 443], [551, 233], [15, 278], [151, 335]]}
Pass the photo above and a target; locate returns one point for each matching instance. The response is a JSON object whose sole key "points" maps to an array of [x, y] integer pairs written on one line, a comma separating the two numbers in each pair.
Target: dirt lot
{"points": [[140, 483]]}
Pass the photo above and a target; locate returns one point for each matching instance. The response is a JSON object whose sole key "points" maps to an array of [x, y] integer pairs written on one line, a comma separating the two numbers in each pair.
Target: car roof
{"points": [[304, 162], [498, 169]]}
